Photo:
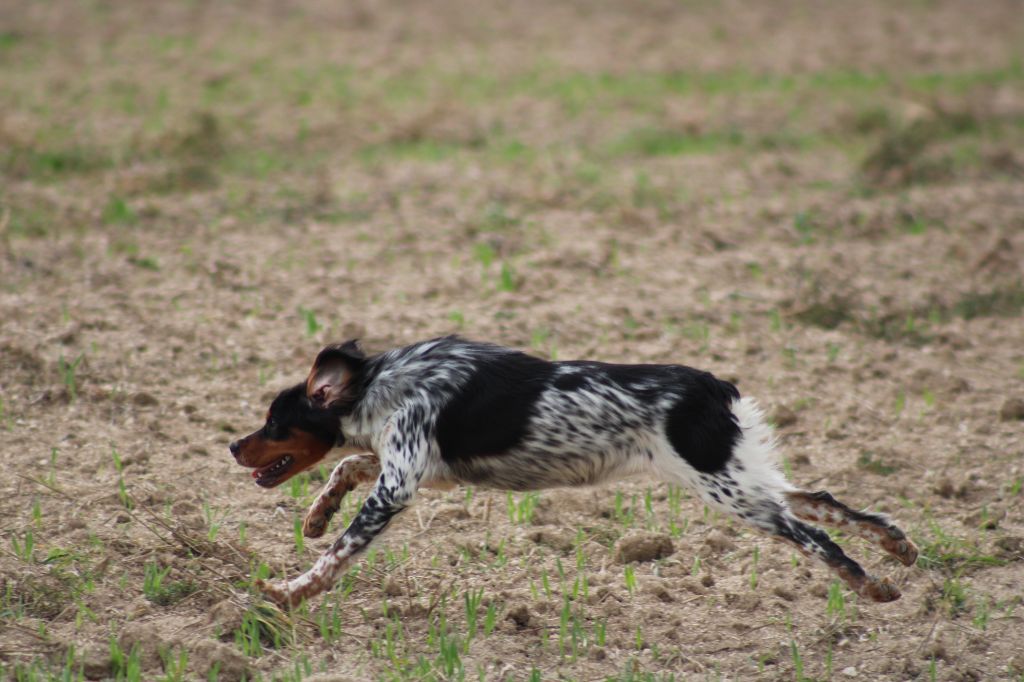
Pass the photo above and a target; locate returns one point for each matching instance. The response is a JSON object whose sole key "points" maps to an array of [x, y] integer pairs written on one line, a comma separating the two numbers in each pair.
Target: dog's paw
{"points": [[883, 590], [315, 523], [279, 594]]}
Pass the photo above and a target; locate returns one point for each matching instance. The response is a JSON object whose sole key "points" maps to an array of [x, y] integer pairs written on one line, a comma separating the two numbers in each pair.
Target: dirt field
{"points": [[823, 202]]}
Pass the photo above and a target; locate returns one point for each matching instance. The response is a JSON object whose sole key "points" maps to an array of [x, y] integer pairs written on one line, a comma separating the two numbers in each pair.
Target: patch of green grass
{"points": [[496, 218], [119, 212], [25, 548], [309, 317], [9, 39], [184, 178], [36, 219], [903, 155], [161, 591], [826, 314], [646, 91], [521, 511], [897, 326], [1001, 302], [508, 280], [263, 625], [665, 142], [51, 162], [145, 262], [42, 670], [944, 552], [68, 374], [125, 666], [202, 138], [869, 462], [261, 163], [429, 150]]}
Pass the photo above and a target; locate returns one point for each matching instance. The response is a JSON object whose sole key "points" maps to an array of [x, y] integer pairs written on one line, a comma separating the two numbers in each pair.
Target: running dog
{"points": [[449, 411]]}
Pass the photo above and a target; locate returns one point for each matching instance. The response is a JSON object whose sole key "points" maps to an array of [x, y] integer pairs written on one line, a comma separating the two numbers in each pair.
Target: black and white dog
{"points": [[449, 411]]}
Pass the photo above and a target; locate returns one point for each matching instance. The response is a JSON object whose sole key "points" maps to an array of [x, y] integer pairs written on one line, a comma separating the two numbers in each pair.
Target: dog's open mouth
{"points": [[273, 473]]}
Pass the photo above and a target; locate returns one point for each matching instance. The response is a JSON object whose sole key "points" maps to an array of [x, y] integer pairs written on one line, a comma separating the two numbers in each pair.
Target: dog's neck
{"points": [[407, 377]]}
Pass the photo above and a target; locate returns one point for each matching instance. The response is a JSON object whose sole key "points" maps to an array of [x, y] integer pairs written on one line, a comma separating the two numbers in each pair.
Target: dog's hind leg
{"points": [[749, 485], [814, 542], [821, 507], [763, 509], [349, 473]]}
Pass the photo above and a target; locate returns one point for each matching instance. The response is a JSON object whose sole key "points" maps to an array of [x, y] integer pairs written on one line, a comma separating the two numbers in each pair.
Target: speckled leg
{"points": [[403, 461], [349, 473], [821, 507], [377, 511], [814, 542]]}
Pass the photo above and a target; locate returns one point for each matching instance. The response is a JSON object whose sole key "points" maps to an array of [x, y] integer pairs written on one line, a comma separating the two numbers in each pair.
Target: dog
{"points": [[449, 411]]}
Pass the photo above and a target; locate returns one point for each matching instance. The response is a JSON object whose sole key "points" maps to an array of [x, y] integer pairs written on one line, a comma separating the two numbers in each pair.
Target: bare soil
{"points": [[823, 202]]}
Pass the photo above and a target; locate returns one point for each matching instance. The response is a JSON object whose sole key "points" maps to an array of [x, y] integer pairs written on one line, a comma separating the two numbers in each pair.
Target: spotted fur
{"points": [[449, 411]]}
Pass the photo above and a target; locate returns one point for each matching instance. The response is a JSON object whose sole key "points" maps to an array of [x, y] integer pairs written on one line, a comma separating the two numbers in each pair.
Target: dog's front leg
{"points": [[349, 473], [403, 461]]}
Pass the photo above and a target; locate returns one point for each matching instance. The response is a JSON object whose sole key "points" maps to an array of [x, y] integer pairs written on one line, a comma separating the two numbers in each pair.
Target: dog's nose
{"points": [[235, 448]]}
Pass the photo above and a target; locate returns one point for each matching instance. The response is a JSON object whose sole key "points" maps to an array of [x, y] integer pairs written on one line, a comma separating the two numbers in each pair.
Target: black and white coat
{"points": [[448, 411]]}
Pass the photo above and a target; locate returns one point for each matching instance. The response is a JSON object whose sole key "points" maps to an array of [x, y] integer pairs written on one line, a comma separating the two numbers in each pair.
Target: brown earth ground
{"points": [[823, 202]]}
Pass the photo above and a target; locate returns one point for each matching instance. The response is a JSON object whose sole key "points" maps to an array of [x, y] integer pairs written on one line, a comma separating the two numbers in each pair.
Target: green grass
{"points": [[662, 142], [578, 91], [942, 551]]}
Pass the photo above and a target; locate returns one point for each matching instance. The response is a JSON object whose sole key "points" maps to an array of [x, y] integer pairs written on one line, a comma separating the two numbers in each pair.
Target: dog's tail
{"points": [[755, 461]]}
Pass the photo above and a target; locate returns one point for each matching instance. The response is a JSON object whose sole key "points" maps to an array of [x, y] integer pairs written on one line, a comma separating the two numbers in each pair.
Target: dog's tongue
{"points": [[256, 474]]}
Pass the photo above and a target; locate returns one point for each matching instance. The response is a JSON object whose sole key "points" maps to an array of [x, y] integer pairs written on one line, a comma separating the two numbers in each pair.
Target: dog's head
{"points": [[304, 421]]}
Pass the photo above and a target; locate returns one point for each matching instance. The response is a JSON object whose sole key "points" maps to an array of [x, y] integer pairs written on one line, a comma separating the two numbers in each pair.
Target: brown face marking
{"points": [[258, 451]]}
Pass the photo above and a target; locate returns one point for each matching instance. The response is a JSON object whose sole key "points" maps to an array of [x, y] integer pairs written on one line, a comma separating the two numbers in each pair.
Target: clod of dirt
{"points": [[643, 547], [561, 541], [783, 416], [719, 541], [450, 512], [936, 649], [206, 653], [692, 585], [660, 592], [800, 460], [95, 661], [999, 258], [745, 601], [226, 616], [1012, 410], [985, 518], [784, 592], [946, 488], [1011, 546], [145, 636], [707, 580], [143, 399], [519, 614], [138, 608], [392, 588]]}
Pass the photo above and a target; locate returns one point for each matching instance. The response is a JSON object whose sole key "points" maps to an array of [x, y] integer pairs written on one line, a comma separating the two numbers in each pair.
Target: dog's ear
{"points": [[330, 380]]}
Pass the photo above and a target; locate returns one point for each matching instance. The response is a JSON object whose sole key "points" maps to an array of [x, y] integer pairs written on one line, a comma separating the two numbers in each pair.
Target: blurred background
{"points": [[821, 201]]}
